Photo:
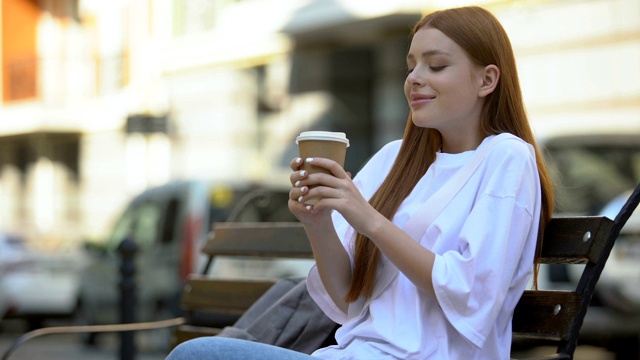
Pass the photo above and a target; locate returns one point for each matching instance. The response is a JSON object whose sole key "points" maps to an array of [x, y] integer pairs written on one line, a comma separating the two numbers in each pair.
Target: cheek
{"points": [[407, 90]]}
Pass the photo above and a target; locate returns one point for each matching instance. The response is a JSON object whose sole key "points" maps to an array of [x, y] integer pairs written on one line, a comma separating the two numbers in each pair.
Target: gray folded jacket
{"points": [[285, 316]]}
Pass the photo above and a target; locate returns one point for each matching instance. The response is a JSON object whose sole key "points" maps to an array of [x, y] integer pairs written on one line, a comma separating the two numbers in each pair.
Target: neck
{"points": [[457, 144]]}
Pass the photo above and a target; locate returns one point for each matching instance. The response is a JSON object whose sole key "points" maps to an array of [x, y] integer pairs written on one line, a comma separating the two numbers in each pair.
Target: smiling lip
{"points": [[420, 99]]}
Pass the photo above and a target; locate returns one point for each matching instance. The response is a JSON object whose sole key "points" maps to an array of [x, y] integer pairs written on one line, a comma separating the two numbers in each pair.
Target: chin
{"points": [[423, 123]]}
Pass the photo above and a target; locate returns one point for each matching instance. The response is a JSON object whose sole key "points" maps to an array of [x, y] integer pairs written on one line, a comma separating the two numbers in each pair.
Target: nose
{"points": [[414, 79]]}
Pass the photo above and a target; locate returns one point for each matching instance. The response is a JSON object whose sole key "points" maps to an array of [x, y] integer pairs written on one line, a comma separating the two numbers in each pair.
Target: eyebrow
{"points": [[429, 53]]}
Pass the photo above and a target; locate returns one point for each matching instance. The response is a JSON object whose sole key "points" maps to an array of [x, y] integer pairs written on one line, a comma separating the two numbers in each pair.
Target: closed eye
{"points": [[437, 68]]}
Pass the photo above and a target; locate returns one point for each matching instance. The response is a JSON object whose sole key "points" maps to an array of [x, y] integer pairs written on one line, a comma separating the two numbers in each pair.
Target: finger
{"points": [[320, 179], [335, 168], [296, 207], [316, 193], [300, 194], [297, 176], [296, 192], [296, 163]]}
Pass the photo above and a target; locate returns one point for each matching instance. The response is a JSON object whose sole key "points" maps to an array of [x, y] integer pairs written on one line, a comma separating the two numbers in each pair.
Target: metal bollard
{"points": [[127, 250]]}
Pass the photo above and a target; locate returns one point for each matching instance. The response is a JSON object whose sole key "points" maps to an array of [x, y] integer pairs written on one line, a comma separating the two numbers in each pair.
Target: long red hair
{"points": [[480, 34]]}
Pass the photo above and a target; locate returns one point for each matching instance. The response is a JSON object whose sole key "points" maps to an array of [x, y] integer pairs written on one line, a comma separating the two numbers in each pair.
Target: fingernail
{"points": [[303, 172], [309, 160], [297, 183], [300, 198], [298, 160], [308, 207], [304, 189]]}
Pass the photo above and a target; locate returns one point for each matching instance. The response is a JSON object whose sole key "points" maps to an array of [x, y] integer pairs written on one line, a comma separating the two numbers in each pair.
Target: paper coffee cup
{"points": [[325, 144]]}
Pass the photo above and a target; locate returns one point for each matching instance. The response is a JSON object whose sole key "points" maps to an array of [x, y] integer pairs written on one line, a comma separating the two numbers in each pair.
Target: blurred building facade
{"points": [[101, 99]]}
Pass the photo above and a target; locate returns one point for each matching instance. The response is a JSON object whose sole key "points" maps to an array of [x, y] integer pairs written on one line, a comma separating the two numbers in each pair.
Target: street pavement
{"points": [[70, 347]]}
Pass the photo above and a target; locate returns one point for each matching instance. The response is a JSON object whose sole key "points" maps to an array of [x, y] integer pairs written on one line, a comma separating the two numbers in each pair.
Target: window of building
{"points": [[19, 21], [194, 16]]}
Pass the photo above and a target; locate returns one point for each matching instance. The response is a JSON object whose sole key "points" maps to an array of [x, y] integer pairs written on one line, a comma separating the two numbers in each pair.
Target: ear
{"points": [[490, 78]]}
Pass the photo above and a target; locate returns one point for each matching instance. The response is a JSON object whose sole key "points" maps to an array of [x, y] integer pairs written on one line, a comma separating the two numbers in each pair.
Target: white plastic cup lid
{"points": [[323, 135]]}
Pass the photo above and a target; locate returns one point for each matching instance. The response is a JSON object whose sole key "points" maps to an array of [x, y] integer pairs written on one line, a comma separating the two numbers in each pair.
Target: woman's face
{"points": [[443, 85]]}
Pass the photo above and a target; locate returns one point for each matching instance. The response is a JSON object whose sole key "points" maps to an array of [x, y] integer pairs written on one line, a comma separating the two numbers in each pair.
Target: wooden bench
{"points": [[211, 304], [540, 314], [553, 315]]}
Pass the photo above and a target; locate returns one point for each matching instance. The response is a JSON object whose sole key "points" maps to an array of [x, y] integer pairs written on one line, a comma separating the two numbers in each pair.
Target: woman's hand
{"points": [[297, 195], [336, 191]]}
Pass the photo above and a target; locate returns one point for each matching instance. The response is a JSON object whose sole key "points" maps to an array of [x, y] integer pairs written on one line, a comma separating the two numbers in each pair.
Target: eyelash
{"points": [[432, 68]]}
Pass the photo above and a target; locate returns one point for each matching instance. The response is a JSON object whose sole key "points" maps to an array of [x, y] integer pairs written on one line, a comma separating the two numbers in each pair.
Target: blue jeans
{"points": [[221, 348]]}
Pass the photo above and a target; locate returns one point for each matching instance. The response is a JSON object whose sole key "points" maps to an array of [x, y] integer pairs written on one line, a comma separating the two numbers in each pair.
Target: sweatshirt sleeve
{"points": [[497, 243]]}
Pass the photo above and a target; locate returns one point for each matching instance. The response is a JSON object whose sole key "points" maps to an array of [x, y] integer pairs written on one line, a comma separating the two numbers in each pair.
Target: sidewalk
{"points": [[70, 347]]}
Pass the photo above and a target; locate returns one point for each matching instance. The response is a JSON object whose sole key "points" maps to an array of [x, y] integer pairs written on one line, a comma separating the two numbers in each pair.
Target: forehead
{"points": [[430, 41]]}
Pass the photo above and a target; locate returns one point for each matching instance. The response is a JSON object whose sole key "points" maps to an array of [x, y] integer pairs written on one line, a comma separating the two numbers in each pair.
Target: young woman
{"points": [[425, 253]]}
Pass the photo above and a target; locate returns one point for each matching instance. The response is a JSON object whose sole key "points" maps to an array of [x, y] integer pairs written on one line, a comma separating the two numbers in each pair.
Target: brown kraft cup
{"points": [[325, 144]]}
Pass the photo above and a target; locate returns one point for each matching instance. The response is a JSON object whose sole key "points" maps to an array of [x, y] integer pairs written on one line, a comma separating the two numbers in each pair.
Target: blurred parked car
{"points": [[593, 175], [12, 249], [36, 286], [620, 287], [170, 224]]}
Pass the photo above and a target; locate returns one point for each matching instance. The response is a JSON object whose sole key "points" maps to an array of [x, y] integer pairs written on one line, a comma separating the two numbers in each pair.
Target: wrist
{"points": [[373, 225], [320, 223]]}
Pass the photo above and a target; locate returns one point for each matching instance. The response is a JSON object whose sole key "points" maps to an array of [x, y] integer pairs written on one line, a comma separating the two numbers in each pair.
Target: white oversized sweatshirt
{"points": [[484, 241]]}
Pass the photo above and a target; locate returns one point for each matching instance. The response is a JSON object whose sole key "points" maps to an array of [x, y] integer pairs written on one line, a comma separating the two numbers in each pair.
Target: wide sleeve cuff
{"points": [[449, 307], [320, 295]]}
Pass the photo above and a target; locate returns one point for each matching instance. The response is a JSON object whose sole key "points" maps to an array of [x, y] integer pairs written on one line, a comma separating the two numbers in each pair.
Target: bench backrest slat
{"points": [[575, 240], [276, 239], [546, 314], [221, 295]]}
